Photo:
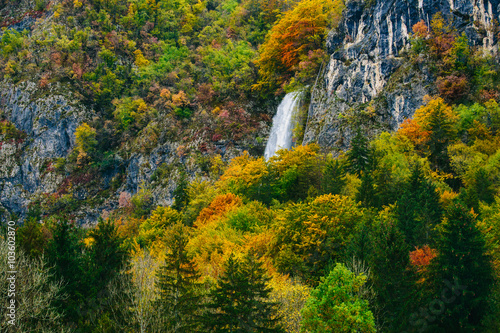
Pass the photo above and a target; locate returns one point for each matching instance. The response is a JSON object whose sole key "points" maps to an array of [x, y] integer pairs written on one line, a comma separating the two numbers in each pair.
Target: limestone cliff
{"points": [[367, 68]]}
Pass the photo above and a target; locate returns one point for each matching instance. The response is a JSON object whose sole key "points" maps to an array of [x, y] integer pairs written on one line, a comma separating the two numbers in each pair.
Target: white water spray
{"points": [[281, 132]]}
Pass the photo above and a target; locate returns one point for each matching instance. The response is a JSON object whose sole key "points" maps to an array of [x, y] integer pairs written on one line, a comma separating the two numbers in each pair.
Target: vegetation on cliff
{"points": [[399, 233]]}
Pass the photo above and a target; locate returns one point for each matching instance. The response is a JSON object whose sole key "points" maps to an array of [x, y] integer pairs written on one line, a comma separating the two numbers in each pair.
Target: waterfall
{"points": [[281, 132]]}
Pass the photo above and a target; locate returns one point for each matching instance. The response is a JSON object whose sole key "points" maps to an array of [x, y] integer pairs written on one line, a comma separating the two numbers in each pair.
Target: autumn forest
{"points": [[398, 233]]}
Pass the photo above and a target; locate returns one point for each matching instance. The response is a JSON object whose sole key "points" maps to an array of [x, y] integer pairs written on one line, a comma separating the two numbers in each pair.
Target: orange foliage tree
{"points": [[420, 258], [414, 132], [218, 208], [299, 31], [433, 128]]}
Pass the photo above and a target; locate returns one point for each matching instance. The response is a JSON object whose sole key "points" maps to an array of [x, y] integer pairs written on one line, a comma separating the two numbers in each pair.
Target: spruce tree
{"points": [[64, 256], [442, 132], [180, 301], [107, 256], [481, 189], [418, 209], [180, 193], [333, 177], [240, 300], [462, 272], [393, 283], [359, 157], [366, 193]]}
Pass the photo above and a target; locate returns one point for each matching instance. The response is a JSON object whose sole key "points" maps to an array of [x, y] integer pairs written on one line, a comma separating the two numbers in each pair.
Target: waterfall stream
{"points": [[281, 132]]}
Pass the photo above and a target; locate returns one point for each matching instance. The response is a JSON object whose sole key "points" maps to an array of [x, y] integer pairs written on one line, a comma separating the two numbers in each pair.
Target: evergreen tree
{"points": [[392, 281], [359, 157], [442, 132], [418, 209], [462, 272], [386, 189], [481, 189], [240, 300], [366, 192], [64, 255], [32, 237], [107, 256], [180, 301], [360, 245], [333, 177], [180, 193]]}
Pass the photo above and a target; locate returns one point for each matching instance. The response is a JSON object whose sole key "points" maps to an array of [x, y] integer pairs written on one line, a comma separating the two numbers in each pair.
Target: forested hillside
{"points": [[132, 136]]}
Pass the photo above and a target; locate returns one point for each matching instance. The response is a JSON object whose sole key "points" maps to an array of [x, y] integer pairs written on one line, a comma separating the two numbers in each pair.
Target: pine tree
{"points": [[180, 301], [418, 209], [392, 281], [333, 177], [64, 255], [359, 157], [240, 300], [462, 272], [366, 193], [180, 192]]}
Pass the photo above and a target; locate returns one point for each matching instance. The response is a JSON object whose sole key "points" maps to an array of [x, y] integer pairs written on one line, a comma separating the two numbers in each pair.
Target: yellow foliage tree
{"points": [[155, 227], [140, 60], [85, 141], [291, 296], [310, 235], [243, 175], [298, 171]]}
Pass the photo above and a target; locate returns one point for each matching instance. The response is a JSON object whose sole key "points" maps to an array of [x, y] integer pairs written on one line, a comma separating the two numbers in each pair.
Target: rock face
{"points": [[49, 119], [49, 122], [365, 67]]}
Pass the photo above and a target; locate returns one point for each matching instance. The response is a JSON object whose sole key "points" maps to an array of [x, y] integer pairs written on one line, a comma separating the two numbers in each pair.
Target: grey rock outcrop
{"points": [[366, 68], [49, 121]]}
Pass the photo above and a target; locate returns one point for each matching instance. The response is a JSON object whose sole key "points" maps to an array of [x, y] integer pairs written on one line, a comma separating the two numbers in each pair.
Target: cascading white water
{"points": [[281, 132]]}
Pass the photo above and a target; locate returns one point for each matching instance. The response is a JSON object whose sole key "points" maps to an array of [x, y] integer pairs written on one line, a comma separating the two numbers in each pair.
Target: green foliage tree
{"points": [[32, 237], [392, 281], [65, 257], [105, 261], [366, 192], [333, 180], [481, 189], [464, 269], [240, 300], [360, 156], [106, 257], [418, 210], [335, 305], [181, 197], [180, 300], [442, 133]]}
